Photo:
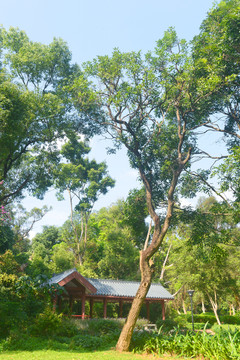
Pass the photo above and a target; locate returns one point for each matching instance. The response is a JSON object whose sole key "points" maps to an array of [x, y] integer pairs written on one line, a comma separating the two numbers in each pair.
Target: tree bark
{"points": [[214, 306], [203, 307], [184, 307], [127, 331], [164, 263], [158, 234]]}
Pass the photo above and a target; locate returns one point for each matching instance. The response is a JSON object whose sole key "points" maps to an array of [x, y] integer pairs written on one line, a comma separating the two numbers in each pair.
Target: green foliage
{"points": [[87, 179], [111, 250], [63, 334], [7, 237], [222, 346], [104, 326], [21, 299], [62, 258], [8, 263], [13, 315], [166, 325], [36, 112], [228, 173], [37, 266], [49, 324], [47, 238], [135, 213]]}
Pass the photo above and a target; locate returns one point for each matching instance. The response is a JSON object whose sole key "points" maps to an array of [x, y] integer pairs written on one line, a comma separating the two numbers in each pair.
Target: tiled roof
{"points": [[118, 288], [127, 289], [59, 277]]}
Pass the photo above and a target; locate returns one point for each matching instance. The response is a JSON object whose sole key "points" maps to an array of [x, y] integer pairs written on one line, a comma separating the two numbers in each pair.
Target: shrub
{"points": [[181, 320], [12, 315], [202, 318], [199, 326], [103, 326], [166, 325], [49, 323], [230, 319], [87, 342]]}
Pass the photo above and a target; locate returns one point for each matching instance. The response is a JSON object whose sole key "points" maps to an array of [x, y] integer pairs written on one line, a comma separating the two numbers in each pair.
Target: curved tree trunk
{"points": [[157, 238], [127, 331]]}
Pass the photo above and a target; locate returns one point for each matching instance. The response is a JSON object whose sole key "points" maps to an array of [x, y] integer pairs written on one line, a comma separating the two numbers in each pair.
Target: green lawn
{"points": [[63, 355]]}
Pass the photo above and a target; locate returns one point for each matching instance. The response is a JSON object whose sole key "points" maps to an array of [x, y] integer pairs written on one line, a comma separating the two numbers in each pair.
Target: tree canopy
{"points": [[36, 111], [157, 105]]}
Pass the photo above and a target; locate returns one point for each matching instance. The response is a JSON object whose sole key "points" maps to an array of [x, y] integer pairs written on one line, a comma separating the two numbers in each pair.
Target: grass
{"points": [[68, 355]]}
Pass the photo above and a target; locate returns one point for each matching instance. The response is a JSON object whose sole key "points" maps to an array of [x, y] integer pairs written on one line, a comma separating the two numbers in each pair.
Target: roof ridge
{"points": [[129, 281]]}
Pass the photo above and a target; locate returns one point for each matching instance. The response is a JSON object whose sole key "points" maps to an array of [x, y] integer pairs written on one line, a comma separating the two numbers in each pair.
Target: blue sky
{"points": [[96, 27]]}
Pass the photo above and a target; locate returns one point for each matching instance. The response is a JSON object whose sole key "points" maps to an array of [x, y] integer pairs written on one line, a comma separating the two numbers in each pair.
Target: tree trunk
{"points": [[184, 307], [127, 331], [214, 306], [164, 263], [232, 310], [203, 307], [157, 238]]}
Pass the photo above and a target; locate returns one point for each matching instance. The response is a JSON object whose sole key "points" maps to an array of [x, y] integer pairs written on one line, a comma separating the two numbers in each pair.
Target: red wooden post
{"points": [[105, 308], [83, 304], [163, 310], [55, 299]]}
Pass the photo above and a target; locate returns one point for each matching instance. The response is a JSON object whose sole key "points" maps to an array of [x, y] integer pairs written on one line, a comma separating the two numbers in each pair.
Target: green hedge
{"points": [[230, 319], [182, 319]]}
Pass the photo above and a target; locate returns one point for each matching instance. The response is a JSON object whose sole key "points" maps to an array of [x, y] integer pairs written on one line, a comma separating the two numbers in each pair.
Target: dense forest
{"points": [[163, 107]]}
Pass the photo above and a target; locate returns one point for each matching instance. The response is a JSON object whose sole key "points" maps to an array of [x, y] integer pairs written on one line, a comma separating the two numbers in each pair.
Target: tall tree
{"points": [[216, 50], [153, 105], [35, 111]]}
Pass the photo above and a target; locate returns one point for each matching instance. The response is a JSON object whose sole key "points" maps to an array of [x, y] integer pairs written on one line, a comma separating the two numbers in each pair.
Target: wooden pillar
{"points": [[60, 303], [163, 310], [120, 308], [83, 304], [91, 308], [148, 310], [105, 308], [55, 300]]}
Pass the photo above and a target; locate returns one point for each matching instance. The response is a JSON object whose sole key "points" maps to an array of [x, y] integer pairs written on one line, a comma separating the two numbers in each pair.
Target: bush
{"points": [[166, 325], [12, 315], [181, 321], [230, 319], [103, 326], [199, 326], [49, 324], [202, 318], [87, 342]]}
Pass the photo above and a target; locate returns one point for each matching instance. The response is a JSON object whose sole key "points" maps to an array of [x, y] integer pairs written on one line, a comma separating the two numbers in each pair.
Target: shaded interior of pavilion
{"points": [[89, 298]]}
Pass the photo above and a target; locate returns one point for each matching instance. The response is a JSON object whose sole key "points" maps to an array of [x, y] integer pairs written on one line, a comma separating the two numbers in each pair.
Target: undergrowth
{"points": [[224, 345]]}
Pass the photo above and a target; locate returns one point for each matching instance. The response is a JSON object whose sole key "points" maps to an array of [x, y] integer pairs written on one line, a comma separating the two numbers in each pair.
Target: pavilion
{"points": [[78, 287]]}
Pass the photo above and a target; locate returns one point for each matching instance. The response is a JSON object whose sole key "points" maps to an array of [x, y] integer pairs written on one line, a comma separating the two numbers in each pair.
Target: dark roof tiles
{"points": [[117, 288], [127, 289]]}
